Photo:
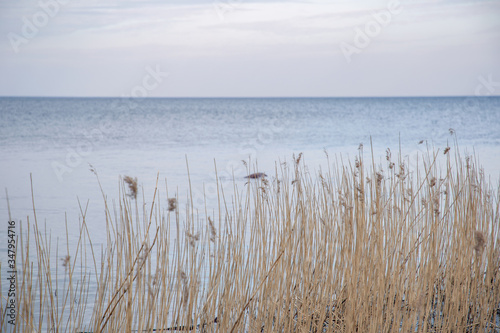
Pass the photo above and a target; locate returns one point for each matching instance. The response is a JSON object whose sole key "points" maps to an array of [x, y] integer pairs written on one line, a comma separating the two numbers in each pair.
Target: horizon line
{"points": [[246, 97]]}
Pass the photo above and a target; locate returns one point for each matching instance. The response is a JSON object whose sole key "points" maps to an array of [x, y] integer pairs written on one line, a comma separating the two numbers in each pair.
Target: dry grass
{"points": [[132, 186], [366, 248]]}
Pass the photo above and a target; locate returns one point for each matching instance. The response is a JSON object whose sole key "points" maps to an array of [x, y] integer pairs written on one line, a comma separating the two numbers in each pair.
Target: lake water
{"points": [[55, 140]]}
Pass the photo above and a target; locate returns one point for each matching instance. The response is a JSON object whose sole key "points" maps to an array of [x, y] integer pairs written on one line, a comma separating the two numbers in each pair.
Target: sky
{"points": [[244, 48]]}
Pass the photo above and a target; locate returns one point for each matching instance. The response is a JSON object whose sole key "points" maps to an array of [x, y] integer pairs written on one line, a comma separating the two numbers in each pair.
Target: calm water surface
{"points": [[55, 140]]}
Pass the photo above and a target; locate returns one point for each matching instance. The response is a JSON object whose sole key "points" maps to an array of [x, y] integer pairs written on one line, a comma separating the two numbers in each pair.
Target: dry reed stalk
{"points": [[352, 249]]}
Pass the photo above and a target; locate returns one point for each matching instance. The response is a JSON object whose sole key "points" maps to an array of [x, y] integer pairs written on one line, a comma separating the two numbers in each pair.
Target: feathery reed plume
{"points": [[451, 130], [479, 242], [172, 204], [432, 182], [380, 177], [446, 150], [142, 257], [256, 175], [360, 190], [357, 162], [185, 288], [297, 160], [436, 204], [388, 156], [132, 186], [66, 262], [92, 169], [373, 259], [420, 142], [192, 239], [213, 231], [402, 171], [265, 182]]}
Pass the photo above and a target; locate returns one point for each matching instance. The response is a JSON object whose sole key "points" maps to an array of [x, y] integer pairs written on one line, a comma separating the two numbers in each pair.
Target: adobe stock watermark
{"points": [[75, 154], [363, 35], [11, 306], [150, 82], [486, 86], [225, 6], [47, 10]]}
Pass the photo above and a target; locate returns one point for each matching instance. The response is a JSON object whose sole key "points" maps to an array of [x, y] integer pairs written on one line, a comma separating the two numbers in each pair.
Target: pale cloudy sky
{"points": [[248, 48]]}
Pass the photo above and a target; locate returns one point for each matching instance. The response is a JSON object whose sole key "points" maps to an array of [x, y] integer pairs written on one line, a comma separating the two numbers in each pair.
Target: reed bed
{"points": [[359, 247]]}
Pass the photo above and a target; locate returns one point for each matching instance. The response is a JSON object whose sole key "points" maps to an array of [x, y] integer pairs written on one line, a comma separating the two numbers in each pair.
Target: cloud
{"points": [[104, 41]]}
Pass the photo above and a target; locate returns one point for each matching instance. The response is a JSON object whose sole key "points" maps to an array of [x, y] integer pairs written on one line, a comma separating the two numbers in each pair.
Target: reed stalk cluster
{"points": [[359, 247]]}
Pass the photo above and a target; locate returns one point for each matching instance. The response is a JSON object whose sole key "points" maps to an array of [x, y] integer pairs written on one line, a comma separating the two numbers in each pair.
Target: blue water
{"points": [[55, 140]]}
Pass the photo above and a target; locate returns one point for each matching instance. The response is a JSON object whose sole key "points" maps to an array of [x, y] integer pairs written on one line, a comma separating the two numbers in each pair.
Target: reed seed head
{"points": [[172, 204], [192, 239], [433, 181], [213, 231], [132, 186], [357, 162], [380, 177], [92, 169], [66, 262], [479, 243], [297, 160]]}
